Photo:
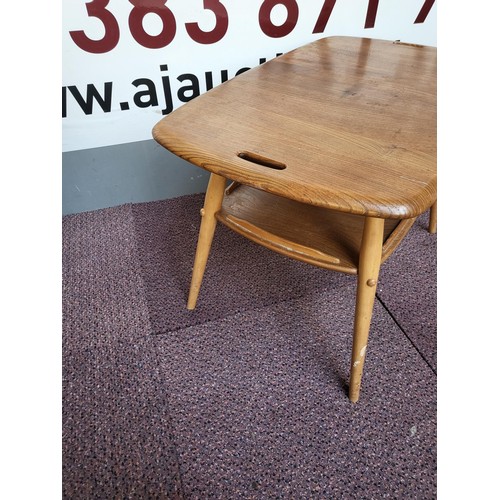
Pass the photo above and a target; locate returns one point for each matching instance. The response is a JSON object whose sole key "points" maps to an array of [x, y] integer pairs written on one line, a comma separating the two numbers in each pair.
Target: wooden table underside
{"points": [[319, 236]]}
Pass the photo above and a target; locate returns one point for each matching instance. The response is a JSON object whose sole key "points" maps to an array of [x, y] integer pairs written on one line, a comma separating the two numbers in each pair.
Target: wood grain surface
{"points": [[344, 123], [319, 236]]}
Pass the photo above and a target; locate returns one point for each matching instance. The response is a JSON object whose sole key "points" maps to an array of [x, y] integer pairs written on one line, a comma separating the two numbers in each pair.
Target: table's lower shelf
{"points": [[311, 234]]}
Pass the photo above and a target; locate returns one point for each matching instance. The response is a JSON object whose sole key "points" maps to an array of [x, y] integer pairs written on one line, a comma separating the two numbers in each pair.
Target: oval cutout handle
{"points": [[261, 160]]}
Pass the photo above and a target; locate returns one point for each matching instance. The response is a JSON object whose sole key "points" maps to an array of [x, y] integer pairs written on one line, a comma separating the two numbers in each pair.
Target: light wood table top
{"points": [[343, 123]]}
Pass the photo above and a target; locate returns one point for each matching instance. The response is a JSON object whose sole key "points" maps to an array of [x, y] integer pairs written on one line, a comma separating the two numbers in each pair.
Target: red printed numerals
{"points": [[141, 8], [371, 14], [221, 24], [267, 26], [97, 8]]}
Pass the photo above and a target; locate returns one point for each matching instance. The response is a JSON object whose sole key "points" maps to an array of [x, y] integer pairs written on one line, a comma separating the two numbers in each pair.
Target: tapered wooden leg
{"points": [[433, 218], [213, 202], [368, 270]]}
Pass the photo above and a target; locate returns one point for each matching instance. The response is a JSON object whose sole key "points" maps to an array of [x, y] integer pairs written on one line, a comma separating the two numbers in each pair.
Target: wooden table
{"points": [[332, 152]]}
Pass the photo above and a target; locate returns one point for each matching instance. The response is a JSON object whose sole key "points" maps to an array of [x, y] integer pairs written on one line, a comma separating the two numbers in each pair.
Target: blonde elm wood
{"points": [[316, 235], [213, 202], [433, 218], [332, 152], [369, 266], [353, 120]]}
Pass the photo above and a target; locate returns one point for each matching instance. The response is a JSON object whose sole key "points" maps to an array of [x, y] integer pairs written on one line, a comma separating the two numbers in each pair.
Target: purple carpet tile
{"points": [[245, 397], [261, 408], [408, 288], [117, 435]]}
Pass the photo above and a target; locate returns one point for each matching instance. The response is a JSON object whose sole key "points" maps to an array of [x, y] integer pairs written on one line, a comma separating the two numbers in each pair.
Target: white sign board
{"points": [[127, 63]]}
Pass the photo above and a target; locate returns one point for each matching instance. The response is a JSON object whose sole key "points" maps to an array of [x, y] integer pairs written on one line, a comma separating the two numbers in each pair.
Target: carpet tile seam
{"points": [[283, 302], [150, 339], [280, 302], [414, 346], [239, 312], [140, 265]]}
